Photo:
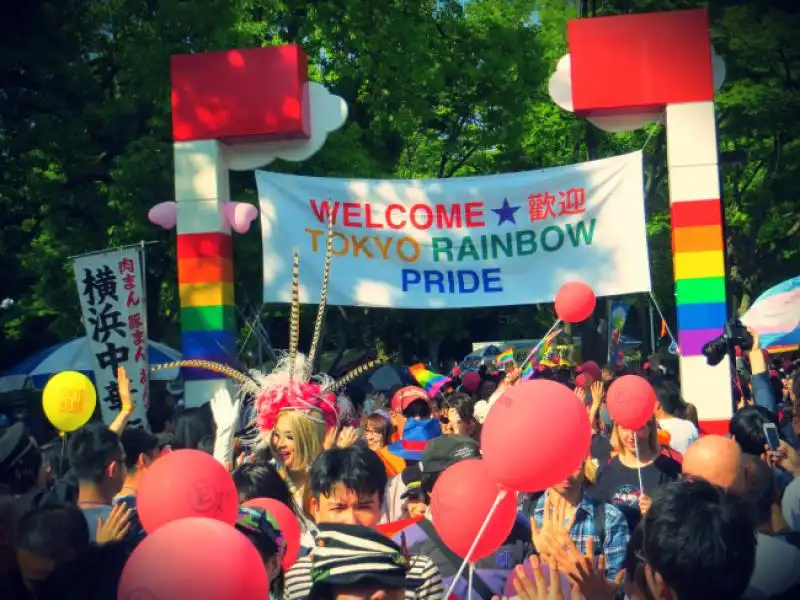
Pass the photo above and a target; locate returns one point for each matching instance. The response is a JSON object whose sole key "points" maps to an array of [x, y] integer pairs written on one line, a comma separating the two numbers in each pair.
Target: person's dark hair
{"points": [[796, 384], [747, 427], [761, 489], [159, 413], [464, 404], [486, 389], [357, 468], [669, 397], [55, 457], [255, 480], [418, 408], [207, 445], [11, 512], [701, 539], [56, 532], [137, 441], [91, 449], [93, 575], [192, 426]]}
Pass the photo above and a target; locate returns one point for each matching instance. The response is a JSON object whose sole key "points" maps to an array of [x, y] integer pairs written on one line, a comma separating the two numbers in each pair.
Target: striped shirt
{"points": [[298, 579]]}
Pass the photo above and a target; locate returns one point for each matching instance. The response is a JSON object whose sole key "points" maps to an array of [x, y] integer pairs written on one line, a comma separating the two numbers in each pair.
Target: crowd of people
{"points": [[662, 512]]}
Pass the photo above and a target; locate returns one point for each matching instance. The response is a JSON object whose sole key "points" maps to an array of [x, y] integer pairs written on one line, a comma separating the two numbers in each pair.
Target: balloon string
{"points": [[539, 343], [63, 448], [500, 495], [638, 464], [471, 572]]}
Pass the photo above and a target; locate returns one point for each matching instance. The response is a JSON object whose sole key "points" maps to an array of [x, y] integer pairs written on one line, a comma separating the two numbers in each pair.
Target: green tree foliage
{"points": [[436, 88]]}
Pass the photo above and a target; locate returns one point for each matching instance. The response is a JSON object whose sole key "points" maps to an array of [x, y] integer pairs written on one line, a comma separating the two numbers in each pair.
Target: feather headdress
{"points": [[292, 384]]}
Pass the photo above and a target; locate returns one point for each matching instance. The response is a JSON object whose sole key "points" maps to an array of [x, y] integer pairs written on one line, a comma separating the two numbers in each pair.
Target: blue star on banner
{"points": [[506, 213]]}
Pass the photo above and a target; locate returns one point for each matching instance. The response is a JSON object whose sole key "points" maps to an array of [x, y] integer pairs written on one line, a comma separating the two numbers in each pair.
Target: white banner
{"points": [[112, 292], [459, 243]]}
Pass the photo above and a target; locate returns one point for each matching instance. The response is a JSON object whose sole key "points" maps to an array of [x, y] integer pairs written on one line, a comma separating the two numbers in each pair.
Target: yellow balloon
{"points": [[69, 400]]}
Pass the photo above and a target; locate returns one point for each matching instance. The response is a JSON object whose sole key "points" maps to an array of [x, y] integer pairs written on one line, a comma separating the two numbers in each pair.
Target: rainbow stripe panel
{"points": [[697, 246], [208, 315]]}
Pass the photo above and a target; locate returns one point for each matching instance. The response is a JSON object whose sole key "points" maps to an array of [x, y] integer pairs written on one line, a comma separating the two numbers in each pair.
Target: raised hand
{"points": [[598, 391], [330, 439], [581, 394], [513, 373], [581, 571], [644, 504], [540, 588], [116, 525], [554, 525], [124, 386], [347, 437]]}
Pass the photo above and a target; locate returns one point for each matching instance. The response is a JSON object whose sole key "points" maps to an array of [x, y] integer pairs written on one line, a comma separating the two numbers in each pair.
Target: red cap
{"points": [[471, 381], [405, 396], [591, 368]]}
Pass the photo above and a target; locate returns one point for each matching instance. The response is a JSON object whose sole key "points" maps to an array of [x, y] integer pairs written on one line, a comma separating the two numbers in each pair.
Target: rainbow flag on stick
{"points": [[505, 357], [539, 352], [432, 382]]}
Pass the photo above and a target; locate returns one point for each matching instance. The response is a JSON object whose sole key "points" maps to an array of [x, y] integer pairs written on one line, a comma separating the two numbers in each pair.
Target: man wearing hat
{"points": [[350, 561], [491, 573]]}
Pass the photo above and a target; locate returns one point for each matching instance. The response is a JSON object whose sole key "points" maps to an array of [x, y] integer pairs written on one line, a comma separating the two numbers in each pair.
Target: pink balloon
{"points": [[575, 302], [195, 558], [186, 483], [461, 499], [535, 436], [287, 523], [631, 401], [240, 215], [164, 214]]}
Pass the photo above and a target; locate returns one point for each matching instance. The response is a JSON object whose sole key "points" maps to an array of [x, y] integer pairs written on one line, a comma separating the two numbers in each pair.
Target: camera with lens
{"points": [[734, 335]]}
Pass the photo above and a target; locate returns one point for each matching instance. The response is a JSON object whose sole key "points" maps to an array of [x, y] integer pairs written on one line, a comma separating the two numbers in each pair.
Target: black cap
{"points": [[447, 450], [352, 555]]}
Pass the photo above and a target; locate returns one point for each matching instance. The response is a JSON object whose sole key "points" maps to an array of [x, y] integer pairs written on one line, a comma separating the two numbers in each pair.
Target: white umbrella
{"points": [[75, 355]]}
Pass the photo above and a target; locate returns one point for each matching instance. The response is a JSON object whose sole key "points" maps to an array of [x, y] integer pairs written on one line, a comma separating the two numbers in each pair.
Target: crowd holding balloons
{"points": [[587, 483]]}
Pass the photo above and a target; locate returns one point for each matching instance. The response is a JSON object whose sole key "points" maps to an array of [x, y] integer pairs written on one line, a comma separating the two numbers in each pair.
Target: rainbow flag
{"points": [[505, 357], [538, 353], [432, 382], [527, 372]]}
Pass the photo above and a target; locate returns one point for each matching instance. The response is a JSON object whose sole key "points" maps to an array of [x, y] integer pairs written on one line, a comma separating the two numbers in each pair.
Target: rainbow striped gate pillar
{"points": [[630, 70], [231, 110]]}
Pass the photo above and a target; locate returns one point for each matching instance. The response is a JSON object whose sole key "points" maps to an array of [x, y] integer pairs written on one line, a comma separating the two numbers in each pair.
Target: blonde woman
{"points": [[628, 480]]}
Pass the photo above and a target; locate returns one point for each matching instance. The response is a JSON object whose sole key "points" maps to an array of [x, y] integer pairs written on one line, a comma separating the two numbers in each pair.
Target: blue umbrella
{"points": [[74, 355]]}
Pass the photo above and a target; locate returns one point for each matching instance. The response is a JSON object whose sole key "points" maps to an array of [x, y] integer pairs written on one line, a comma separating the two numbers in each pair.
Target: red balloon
{"points": [[535, 436], [575, 302], [461, 499], [288, 523], [631, 401], [197, 558], [186, 483]]}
